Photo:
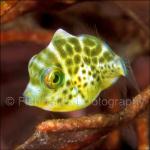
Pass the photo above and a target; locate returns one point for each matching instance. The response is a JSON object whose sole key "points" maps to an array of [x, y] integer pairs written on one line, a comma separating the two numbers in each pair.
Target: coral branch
{"points": [[76, 132], [142, 127]]}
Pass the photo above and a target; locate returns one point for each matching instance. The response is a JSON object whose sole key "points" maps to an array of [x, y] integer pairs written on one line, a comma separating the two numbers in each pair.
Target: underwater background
{"points": [[28, 26]]}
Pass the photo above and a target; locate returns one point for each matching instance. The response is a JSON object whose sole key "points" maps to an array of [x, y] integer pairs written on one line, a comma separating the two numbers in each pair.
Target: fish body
{"points": [[71, 72]]}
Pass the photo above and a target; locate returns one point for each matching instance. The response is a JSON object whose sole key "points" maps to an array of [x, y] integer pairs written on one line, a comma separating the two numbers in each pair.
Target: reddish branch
{"points": [[98, 120], [79, 130], [6, 6], [39, 37], [142, 127], [11, 9]]}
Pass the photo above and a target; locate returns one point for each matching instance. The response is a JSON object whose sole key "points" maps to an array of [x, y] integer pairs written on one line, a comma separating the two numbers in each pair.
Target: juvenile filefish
{"points": [[71, 72]]}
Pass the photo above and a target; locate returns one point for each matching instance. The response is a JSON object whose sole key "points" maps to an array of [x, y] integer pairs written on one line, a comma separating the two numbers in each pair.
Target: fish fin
{"points": [[86, 29], [130, 75], [81, 27]]}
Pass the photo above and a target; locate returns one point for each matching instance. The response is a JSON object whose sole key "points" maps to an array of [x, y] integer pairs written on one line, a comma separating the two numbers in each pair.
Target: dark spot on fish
{"points": [[79, 78], [70, 96], [101, 60], [76, 69], [83, 71], [97, 71], [98, 78], [108, 66], [77, 59], [112, 70], [58, 65], [59, 42], [92, 82], [66, 102], [94, 60], [94, 75], [108, 56], [102, 67], [64, 91], [102, 76], [105, 71], [73, 40], [59, 100], [69, 48], [69, 61], [92, 67], [82, 95], [89, 73], [79, 86], [88, 41], [96, 51], [68, 83], [70, 71], [85, 84], [86, 60], [71, 88], [87, 50]]}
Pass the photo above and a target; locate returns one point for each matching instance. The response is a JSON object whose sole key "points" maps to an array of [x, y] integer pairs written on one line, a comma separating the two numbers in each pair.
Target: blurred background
{"points": [[28, 26]]}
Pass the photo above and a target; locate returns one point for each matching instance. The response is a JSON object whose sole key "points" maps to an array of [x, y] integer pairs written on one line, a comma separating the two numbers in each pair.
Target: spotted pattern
{"points": [[87, 64], [70, 48]]}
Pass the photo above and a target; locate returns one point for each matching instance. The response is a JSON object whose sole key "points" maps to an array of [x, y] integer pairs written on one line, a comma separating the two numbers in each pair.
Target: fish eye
{"points": [[53, 78]]}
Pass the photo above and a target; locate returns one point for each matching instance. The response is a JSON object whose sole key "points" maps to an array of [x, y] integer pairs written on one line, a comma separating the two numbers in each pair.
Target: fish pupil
{"points": [[56, 78]]}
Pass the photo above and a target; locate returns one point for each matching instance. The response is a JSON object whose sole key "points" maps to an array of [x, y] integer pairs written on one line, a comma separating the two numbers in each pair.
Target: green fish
{"points": [[71, 71]]}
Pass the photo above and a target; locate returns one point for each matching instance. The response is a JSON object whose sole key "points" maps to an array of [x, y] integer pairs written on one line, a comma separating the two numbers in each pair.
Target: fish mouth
{"points": [[32, 95], [33, 99], [27, 99]]}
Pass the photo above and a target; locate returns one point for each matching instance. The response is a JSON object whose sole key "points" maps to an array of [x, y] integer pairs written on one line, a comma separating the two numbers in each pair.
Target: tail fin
{"points": [[130, 75], [124, 67]]}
